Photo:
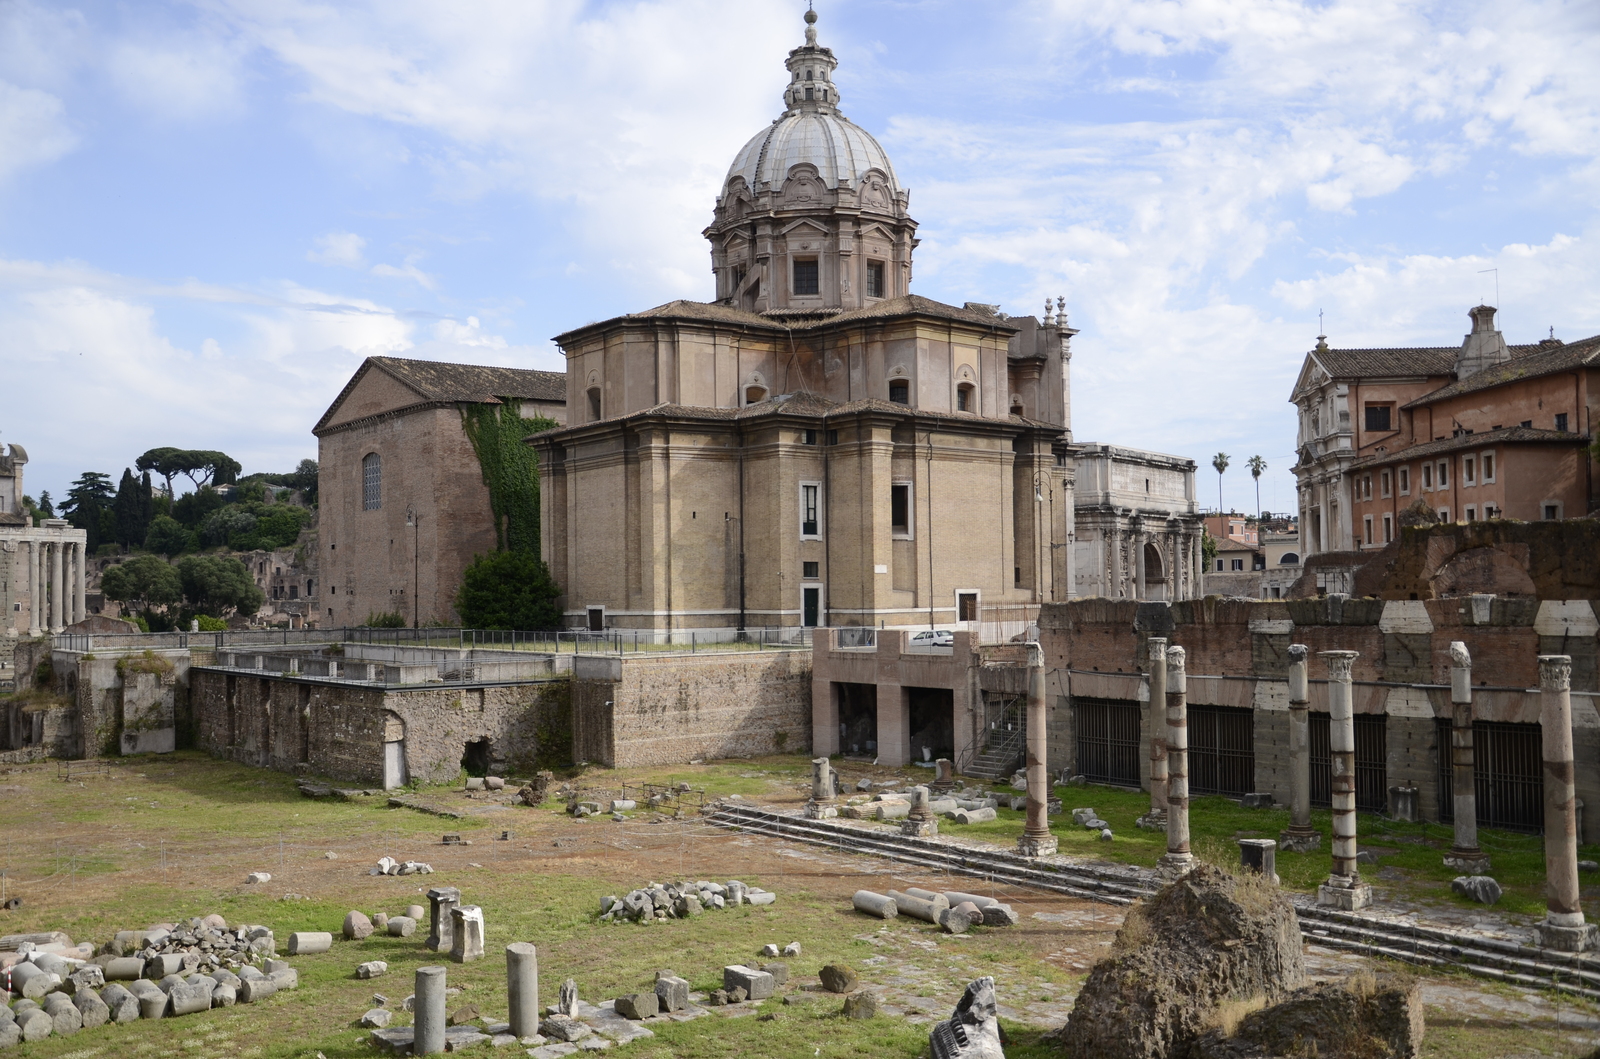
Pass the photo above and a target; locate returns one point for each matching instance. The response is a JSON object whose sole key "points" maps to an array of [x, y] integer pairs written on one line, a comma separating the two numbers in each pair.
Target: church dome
{"points": [[811, 130]]}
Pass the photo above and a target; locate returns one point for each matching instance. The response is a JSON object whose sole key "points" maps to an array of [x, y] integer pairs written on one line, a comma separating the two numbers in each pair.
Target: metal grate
{"points": [[1222, 755], [1108, 740], [1372, 762], [1507, 772]]}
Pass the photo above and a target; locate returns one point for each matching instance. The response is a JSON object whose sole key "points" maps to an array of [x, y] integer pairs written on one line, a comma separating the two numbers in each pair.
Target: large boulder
{"points": [[1366, 1017], [1207, 938]]}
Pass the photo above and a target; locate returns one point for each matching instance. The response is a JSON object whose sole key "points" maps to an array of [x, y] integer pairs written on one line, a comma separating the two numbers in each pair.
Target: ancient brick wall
{"points": [[677, 708]]}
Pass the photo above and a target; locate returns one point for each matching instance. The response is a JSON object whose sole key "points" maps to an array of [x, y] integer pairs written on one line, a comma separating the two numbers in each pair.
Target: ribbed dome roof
{"points": [[841, 150]]}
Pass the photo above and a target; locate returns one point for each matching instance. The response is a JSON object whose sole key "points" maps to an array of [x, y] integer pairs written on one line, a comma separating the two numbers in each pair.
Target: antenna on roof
{"points": [[1321, 328]]}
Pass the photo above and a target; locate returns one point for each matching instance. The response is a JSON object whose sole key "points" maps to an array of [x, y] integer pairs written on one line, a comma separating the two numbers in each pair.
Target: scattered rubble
{"points": [[973, 1030], [1366, 1015], [1481, 888], [390, 866], [680, 900]]}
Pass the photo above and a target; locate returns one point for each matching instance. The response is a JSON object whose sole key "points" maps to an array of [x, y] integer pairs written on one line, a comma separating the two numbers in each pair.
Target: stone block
{"points": [[1259, 800], [778, 971], [760, 897], [124, 969], [672, 992], [862, 1005], [466, 933], [875, 904], [192, 998], [35, 1025], [564, 1028], [838, 977], [999, 915], [93, 1010], [402, 926], [376, 1019], [638, 1005], [123, 1005], [65, 1017], [356, 926], [371, 969], [224, 995], [254, 989], [757, 985], [308, 942]]}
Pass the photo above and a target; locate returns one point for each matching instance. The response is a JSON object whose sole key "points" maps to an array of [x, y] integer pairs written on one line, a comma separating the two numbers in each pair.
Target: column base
{"points": [[1566, 939], [1038, 845], [919, 828], [1292, 841], [1154, 820], [1346, 893], [1175, 865], [1468, 861], [821, 811]]}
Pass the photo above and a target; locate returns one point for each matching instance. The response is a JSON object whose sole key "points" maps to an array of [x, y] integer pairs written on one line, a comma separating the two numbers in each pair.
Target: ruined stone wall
{"points": [[677, 708], [1236, 652], [338, 730]]}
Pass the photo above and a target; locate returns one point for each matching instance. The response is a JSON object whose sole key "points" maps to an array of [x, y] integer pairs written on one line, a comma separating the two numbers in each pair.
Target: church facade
{"points": [[820, 446]]}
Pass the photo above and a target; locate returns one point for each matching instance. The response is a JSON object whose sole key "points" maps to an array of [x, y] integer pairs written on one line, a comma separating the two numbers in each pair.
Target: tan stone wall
{"points": [[673, 709]]}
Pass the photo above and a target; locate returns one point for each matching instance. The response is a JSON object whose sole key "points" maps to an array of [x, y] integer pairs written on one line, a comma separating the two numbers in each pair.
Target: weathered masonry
{"points": [[1100, 724]]}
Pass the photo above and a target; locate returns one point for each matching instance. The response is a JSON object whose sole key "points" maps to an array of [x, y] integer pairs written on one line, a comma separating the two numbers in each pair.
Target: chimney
{"points": [[1484, 347]]}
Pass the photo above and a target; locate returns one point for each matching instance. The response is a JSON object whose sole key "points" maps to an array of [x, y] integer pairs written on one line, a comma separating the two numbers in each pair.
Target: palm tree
{"points": [[1220, 462], [1257, 465]]}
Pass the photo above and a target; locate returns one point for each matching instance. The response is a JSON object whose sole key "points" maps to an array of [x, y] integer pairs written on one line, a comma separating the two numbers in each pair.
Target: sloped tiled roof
{"points": [[1527, 362], [1388, 363], [1503, 436], [437, 382]]}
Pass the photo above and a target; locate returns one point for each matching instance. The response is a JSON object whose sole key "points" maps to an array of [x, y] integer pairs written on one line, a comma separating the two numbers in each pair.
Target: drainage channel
{"points": [[1490, 958]]}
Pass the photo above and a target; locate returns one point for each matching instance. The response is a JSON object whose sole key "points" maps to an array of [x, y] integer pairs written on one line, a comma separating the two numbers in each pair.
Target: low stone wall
{"points": [[340, 730], [644, 710]]}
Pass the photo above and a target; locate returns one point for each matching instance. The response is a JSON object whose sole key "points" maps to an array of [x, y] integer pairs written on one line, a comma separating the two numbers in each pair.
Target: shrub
{"points": [[389, 619], [508, 590]]}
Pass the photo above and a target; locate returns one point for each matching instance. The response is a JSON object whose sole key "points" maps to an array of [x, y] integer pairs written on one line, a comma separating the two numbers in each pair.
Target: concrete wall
{"points": [[634, 711]]}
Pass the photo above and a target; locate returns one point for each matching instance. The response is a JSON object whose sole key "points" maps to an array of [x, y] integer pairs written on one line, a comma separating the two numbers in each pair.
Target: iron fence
{"points": [[1222, 750], [1507, 774], [1372, 762], [1108, 740]]}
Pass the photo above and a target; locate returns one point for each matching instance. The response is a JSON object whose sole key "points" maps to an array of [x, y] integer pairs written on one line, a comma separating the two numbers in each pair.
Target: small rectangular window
{"points": [[1444, 474], [875, 279], [1526, 423], [1472, 513], [372, 482], [1561, 422], [1405, 481], [805, 276], [1219, 566], [1488, 511], [900, 509], [1444, 514], [1366, 486], [1378, 416], [1384, 478], [811, 570], [833, 437], [810, 524], [900, 391], [1427, 476], [1469, 471], [1366, 529], [966, 606], [1552, 512], [1388, 529], [1488, 466], [808, 437], [1238, 564]]}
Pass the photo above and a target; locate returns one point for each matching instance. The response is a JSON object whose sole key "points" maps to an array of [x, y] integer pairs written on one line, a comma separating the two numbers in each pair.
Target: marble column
{"points": [[1464, 855], [1177, 860], [1036, 840], [1344, 888], [58, 585], [522, 988], [1156, 818], [1564, 927], [35, 588], [429, 1012], [1300, 837], [80, 583]]}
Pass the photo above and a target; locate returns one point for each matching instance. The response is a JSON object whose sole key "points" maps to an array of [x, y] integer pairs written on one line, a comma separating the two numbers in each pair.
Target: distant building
{"points": [[1281, 566], [402, 503], [1234, 526], [1480, 431], [42, 568]]}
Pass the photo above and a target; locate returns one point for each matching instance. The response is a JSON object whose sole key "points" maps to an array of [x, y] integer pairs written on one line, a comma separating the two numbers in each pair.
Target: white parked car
{"points": [[934, 638]]}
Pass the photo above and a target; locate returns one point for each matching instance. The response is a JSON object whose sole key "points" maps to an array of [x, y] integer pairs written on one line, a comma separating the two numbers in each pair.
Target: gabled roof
{"points": [[1503, 436], [1387, 363], [1527, 362], [438, 382], [805, 319]]}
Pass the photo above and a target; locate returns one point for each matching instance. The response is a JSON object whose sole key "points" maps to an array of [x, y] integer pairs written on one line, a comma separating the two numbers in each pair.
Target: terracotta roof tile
{"points": [[442, 381], [1388, 363], [1526, 362], [1503, 436], [806, 319]]}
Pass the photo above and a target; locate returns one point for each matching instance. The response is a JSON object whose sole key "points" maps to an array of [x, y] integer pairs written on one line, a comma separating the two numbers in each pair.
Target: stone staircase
{"points": [[1004, 751]]}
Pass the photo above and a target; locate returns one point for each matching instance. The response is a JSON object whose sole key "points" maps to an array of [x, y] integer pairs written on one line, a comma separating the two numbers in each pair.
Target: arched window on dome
{"points": [[966, 397], [899, 391], [1289, 559], [594, 404]]}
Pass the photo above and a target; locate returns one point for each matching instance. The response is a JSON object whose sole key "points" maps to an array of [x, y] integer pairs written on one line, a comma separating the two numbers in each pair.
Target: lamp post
{"points": [[414, 520]]}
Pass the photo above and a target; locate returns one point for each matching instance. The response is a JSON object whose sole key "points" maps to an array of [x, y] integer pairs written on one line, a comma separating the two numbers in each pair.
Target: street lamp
{"points": [[414, 520]]}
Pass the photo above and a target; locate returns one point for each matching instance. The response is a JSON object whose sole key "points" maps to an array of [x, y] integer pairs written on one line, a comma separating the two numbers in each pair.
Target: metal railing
{"points": [[1007, 736]]}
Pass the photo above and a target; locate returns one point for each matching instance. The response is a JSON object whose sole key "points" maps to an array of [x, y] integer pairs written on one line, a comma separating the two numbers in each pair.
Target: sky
{"points": [[210, 212]]}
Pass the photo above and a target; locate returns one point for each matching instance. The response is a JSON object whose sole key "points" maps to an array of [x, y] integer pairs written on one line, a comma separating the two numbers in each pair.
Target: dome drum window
{"points": [[805, 276]]}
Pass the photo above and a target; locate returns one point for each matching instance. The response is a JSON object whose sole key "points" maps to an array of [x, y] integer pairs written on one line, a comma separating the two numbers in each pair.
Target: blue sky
{"points": [[210, 212]]}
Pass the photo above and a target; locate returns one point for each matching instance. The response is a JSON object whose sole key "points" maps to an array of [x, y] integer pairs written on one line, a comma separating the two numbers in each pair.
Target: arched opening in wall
{"points": [[1155, 575], [1289, 559], [475, 759], [755, 394], [594, 404], [966, 398]]}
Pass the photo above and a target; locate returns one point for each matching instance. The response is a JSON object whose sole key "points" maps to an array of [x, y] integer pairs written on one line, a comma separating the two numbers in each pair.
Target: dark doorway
{"points": [[1508, 775], [1222, 750], [858, 719], [476, 758], [1372, 762], [1108, 740], [810, 607], [933, 723]]}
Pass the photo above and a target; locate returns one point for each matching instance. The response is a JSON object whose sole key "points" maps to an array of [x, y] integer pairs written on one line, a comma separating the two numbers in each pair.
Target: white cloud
{"points": [[338, 248], [182, 77], [408, 271], [33, 128]]}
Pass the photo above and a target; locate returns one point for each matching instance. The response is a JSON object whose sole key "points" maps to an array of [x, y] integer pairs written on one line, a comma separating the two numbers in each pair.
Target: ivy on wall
{"points": [[510, 469]]}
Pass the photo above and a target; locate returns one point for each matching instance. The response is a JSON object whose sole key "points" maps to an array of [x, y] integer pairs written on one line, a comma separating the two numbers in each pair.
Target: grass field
{"points": [[163, 838]]}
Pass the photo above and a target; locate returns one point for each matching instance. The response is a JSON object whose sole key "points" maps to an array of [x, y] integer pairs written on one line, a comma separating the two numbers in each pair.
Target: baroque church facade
{"points": [[820, 446]]}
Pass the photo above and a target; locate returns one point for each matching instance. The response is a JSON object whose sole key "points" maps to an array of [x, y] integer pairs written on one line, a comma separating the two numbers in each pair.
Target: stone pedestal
{"points": [[822, 785], [1259, 855], [1403, 804], [1346, 893], [441, 899], [920, 821], [818, 811], [1468, 861], [1581, 937], [944, 775], [466, 930], [1292, 842]]}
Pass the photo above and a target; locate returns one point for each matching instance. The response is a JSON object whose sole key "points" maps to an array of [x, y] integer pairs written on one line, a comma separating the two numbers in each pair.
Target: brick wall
{"points": [[674, 709]]}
